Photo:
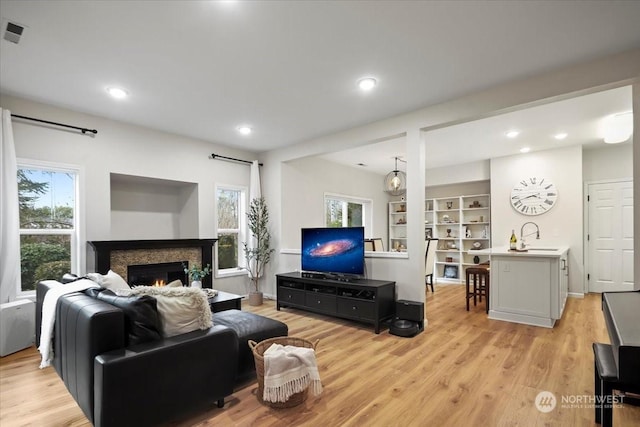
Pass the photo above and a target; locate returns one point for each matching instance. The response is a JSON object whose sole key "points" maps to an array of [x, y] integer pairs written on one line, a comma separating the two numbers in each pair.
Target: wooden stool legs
{"points": [[477, 284]]}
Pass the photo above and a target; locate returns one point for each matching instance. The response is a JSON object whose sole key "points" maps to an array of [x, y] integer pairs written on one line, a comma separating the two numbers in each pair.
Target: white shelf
{"points": [[397, 239], [475, 219]]}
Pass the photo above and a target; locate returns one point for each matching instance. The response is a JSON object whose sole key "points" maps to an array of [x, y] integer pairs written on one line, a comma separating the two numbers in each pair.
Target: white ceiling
{"points": [[582, 118], [200, 68]]}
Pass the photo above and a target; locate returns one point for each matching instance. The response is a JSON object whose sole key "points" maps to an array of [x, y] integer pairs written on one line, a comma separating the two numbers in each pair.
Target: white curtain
{"points": [[254, 188], [9, 220], [254, 193]]}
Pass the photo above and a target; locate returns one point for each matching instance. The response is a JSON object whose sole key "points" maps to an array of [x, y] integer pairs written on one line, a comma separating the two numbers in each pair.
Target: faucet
{"points": [[522, 235]]}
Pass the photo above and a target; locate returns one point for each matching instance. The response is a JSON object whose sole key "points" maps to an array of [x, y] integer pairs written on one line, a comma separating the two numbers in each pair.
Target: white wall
{"points": [[458, 189], [128, 150], [466, 172], [580, 79], [609, 162], [563, 224], [304, 183], [636, 187]]}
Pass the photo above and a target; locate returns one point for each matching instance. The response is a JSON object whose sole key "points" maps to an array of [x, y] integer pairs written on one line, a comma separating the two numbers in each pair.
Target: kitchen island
{"points": [[528, 286]]}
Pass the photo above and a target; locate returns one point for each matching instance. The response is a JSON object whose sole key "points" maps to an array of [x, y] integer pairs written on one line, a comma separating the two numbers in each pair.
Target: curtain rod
{"points": [[83, 130], [218, 156]]}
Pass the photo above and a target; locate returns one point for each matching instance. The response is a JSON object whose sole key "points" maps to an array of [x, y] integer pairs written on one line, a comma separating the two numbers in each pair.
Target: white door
{"points": [[610, 224]]}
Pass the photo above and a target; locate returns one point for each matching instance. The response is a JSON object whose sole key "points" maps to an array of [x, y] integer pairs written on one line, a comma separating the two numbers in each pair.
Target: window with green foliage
{"points": [[344, 211], [48, 223], [231, 225]]}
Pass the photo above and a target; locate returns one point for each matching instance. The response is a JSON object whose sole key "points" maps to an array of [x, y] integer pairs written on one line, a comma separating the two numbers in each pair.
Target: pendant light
{"points": [[395, 183]]}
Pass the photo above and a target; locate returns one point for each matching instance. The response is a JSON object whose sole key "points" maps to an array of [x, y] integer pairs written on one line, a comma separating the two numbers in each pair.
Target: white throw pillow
{"points": [[114, 281], [181, 309], [111, 280], [174, 284]]}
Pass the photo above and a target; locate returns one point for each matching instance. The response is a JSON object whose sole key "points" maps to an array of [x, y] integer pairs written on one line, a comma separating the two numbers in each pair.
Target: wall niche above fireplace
{"points": [[153, 208]]}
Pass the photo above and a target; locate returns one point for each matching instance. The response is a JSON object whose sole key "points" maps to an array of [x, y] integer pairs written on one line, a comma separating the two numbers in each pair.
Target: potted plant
{"points": [[258, 254], [195, 274]]}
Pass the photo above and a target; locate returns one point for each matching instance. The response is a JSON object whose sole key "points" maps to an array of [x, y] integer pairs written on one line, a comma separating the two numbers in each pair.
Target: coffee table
{"points": [[225, 301]]}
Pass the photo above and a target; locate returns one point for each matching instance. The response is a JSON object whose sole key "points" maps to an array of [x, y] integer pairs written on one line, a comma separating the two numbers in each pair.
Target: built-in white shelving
{"points": [[462, 225], [398, 226]]}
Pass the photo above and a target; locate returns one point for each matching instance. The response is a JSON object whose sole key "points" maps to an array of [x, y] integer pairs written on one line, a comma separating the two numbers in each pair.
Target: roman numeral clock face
{"points": [[534, 196]]}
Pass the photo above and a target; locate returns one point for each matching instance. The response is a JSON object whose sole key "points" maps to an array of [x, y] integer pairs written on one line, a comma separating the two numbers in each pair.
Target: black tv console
{"points": [[363, 300]]}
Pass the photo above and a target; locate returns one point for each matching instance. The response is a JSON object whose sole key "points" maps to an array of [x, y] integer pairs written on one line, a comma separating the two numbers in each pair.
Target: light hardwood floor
{"points": [[463, 370]]}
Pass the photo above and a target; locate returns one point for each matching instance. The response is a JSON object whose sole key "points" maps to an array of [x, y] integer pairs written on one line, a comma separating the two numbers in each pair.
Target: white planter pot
{"points": [[196, 284]]}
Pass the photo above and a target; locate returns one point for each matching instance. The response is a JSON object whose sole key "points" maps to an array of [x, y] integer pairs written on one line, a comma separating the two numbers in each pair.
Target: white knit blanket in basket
{"points": [[289, 370]]}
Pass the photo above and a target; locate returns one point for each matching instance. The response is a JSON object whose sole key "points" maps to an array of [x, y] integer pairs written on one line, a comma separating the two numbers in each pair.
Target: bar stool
{"points": [[477, 285]]}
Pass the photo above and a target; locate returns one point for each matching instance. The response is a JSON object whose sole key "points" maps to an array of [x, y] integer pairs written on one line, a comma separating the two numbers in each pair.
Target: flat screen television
{"points": [[333, 250]]}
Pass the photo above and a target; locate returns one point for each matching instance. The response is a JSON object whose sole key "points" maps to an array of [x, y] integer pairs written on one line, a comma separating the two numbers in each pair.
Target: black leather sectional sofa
{"points": [[117, 383]]}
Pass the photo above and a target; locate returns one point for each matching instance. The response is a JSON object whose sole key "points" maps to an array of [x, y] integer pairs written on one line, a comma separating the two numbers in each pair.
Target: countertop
{"points": [[533, 251]]}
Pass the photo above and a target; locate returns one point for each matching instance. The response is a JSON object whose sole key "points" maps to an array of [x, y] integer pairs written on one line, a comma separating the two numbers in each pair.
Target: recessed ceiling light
{"points": [[367, 83], [525, 149], [117, 92], [512, 133], [560, 136], [244, 129]]}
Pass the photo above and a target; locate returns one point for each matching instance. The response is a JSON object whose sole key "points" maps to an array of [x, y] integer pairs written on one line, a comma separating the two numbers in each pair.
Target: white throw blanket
{"points": [[49, 314], [289, 370]]}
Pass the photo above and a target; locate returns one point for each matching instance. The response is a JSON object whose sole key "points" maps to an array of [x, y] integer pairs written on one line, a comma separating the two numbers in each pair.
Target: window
{"points": [[231, 203], [345, 211], [48, 203]]}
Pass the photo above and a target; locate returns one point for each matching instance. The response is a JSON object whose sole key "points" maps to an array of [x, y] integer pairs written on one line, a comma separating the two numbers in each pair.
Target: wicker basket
{"points": [[258, 352]]}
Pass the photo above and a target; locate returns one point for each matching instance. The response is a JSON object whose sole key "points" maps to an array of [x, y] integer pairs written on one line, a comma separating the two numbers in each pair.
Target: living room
{"points": [[125, 155]]}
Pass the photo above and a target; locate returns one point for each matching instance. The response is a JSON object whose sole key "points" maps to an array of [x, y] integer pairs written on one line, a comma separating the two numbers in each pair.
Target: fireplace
{"points": [[119, 255], [156, 274]]}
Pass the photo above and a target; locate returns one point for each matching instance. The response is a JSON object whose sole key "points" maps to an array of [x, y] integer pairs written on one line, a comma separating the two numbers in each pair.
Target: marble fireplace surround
{"points": [[117, 255]]}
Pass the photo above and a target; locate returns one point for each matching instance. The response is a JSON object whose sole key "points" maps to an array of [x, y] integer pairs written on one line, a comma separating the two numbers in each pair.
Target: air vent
{"points": [[13, 32]]}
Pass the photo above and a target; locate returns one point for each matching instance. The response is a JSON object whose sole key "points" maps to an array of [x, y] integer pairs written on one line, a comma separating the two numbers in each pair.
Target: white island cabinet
{"points": [[529, 287]]}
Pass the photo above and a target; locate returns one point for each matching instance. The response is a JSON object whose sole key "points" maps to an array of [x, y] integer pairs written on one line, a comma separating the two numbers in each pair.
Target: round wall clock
{"points": [[534, 196]]}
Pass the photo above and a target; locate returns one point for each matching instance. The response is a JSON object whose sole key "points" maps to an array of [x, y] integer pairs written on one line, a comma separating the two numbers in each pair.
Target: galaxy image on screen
{"points": [[333, 250]]}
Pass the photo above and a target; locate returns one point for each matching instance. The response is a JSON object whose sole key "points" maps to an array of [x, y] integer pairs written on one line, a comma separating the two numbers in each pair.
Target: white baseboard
{"points": [[521, 318]]}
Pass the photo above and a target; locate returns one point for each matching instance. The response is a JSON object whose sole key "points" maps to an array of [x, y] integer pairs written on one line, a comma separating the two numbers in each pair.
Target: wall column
{"points": [[415, 213]]}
